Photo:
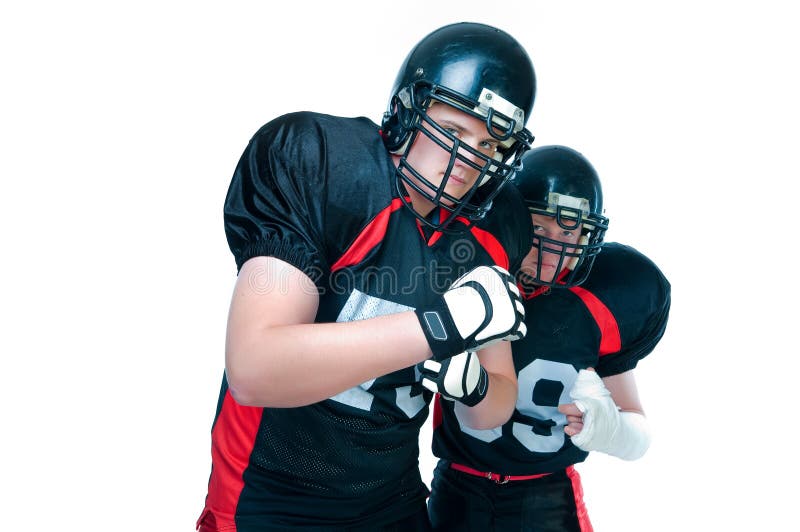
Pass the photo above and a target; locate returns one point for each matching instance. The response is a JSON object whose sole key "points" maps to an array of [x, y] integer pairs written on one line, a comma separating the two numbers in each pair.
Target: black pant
{"points": [[417, 522], [464, 503]]}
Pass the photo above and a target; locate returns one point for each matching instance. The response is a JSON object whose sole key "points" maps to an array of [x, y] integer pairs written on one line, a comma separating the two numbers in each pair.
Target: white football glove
{"points": [[606, 429], [481, 307], [460, 378]]}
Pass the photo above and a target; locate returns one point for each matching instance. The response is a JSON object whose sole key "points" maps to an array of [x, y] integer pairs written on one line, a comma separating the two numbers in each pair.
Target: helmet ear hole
{"points": [[396, 139], [395, 130]]}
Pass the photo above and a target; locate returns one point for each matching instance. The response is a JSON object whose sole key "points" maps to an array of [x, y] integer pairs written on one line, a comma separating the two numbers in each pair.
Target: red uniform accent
{"points": [[443, 215], [497, 477], [368, 238], [580, 506], [208, 523], [437, 411], [492, 246], [233, 436], [610, 341]]}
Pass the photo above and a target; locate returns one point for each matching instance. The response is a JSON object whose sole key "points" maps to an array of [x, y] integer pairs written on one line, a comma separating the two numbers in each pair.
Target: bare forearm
{"points": [[501, 395], [495, 409], [299, 364]]}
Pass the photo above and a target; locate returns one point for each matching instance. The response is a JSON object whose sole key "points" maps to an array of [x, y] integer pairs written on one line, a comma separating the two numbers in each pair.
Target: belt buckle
{"points": [[501, 479]]}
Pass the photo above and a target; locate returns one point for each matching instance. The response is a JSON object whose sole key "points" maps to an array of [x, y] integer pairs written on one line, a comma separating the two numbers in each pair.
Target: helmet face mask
{"points": [[559, 183], [482, 72], [575, 260], [493, 172]]}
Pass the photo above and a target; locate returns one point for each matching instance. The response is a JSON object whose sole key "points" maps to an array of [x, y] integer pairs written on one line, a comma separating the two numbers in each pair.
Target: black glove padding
{"points": [[481, 307], [459, 378]]}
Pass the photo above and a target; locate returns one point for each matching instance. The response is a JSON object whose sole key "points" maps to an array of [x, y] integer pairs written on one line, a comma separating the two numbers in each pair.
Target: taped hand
{"points": [[606, 429]]}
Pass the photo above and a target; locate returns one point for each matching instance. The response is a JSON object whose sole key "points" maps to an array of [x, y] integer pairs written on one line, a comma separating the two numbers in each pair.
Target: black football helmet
{"points": [[559, 182], [477, 69]]}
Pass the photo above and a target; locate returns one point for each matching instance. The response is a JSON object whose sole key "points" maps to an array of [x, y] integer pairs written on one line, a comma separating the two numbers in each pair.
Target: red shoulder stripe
{"points": [[492, 246], [368, 238], [610, 341]]}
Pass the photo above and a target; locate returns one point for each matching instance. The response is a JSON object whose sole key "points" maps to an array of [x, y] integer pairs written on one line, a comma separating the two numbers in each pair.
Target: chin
{"points": [[458, 191]]}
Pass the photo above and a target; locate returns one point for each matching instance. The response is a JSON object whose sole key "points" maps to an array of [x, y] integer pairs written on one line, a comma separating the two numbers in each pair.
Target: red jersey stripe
{"points": [[232, 442], [610, 341], [492, 246], [436, 420], [368, 238]]}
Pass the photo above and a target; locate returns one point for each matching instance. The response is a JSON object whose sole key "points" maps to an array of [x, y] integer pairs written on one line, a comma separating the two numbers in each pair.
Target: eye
{"points": [[489, 145], [538, 228]]}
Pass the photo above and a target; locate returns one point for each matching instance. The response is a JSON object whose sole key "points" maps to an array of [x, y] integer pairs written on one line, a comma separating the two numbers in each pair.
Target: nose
{"points": [[474, 155], [550, 247]]}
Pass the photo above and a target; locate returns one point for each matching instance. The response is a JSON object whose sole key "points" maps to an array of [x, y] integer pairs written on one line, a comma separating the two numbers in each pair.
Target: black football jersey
{"points": [[319, 192], [610, 322]]}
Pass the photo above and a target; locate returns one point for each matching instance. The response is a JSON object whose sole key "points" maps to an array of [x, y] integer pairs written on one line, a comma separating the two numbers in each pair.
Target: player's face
{"points": [[548, 227], [431, 160]]}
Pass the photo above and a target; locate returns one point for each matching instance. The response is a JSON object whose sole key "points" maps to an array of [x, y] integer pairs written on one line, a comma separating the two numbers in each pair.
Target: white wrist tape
{"points": [[622, 434]]}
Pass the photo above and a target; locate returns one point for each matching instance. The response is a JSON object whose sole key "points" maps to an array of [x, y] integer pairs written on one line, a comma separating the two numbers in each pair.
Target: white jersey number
{"points": [[360, 306], [552, 376]]}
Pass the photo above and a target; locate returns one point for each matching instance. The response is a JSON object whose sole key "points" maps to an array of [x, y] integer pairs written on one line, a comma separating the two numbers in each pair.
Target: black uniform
{"points": [[610, 322], [319, 193]]}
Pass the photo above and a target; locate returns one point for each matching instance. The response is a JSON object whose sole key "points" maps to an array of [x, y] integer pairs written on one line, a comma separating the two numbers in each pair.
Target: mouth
{"points": [[456, 179]]}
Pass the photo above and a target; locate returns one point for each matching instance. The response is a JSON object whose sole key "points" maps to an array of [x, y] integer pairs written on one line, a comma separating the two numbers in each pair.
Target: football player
{"points": [[593, 311], [361, 251]]}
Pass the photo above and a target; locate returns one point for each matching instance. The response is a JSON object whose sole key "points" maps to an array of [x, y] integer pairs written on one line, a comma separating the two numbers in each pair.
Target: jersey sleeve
{"points": [[641, 308], [274, 202]]}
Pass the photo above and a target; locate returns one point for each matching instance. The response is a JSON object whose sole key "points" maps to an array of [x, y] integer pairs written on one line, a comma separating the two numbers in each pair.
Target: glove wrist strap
{"points": [[481, 389], [440, 330]]}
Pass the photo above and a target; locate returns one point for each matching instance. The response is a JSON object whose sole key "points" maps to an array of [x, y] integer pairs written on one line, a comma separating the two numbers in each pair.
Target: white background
{"points": [[120, 126]]}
